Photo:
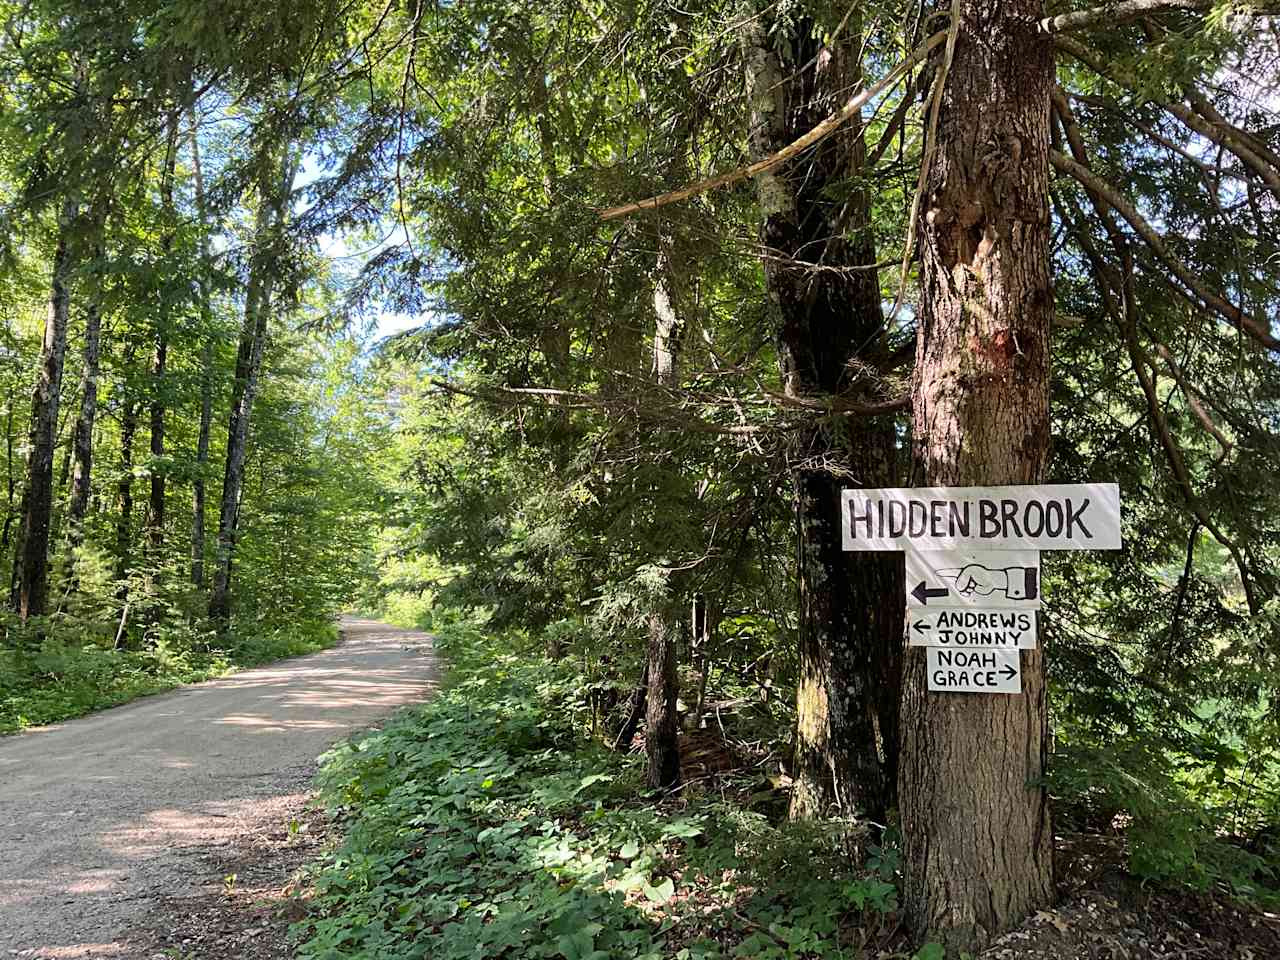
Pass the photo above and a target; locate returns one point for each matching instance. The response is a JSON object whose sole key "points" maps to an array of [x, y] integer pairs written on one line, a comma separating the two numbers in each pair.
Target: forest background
{"points": [[615, 435]]}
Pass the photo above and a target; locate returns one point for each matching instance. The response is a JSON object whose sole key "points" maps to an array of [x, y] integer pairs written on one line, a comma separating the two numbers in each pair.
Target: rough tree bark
{"points": [[830, 331], [253, 336], [31, 564], [975, 815], [661, 723]]}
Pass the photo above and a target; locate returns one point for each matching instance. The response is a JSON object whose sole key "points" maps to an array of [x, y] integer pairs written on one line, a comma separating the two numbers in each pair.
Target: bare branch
{"points": [[1126, 11], [1192, 396], [820, 132], [836, 404], [672, 413]]}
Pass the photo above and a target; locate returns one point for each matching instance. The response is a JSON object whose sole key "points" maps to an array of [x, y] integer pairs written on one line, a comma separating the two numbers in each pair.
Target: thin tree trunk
{"points": [[850, 616], [975, 813], [253, 335], [82, 443], [11, 488], [82, 440], [703, 623], [160, 359], [636, 709], [202, 460], [206, 373], [662, 746], [124, 486], [32, 581]]}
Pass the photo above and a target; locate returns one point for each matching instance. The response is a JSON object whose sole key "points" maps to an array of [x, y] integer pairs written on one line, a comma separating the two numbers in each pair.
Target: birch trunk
{"points": [[82, 443], [253, 336], [975, 814]]}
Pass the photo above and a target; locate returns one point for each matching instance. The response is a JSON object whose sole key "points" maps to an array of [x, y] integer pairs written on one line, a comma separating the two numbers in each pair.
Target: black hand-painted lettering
{"points": [[1077, 518]]}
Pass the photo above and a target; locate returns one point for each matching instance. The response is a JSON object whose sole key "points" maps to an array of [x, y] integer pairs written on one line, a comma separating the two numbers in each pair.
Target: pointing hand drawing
{"points": [[1016, 583]]}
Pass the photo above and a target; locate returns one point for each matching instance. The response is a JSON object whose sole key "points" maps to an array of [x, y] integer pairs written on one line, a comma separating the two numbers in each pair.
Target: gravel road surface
{"points": [[100, 815]]}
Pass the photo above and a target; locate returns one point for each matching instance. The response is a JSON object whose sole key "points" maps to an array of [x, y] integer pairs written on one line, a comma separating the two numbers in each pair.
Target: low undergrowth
{"points": [[486, 824], [65, 675]]}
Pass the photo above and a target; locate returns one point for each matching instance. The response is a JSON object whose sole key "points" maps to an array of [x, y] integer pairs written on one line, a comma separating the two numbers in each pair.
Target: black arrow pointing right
{"points": [[1009, 672], [923, 593]]}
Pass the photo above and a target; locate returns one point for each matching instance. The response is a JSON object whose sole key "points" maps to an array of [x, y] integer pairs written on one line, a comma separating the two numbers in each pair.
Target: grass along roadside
{"points": [[486, 824], [62, 680]]}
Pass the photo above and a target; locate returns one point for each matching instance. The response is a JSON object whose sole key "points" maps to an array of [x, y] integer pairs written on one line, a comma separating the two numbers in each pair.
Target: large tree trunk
{"points": [[975, 815], [253, 336], [31, 582], [829, 325]]}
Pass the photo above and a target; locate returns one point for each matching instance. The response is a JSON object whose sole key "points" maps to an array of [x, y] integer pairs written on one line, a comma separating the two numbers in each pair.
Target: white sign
{"points": [[982, 629], [1001, 579], [1084, 516], [956, 670]]}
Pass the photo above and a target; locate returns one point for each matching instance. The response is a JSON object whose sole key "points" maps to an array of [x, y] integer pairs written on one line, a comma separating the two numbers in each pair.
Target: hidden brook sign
{"points": [[973, 566]]}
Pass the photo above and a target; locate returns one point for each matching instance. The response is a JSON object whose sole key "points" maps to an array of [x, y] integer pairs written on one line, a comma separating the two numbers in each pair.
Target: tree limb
{"points": [[574, 400], [1111, 14], [820, 132], [1173, 453], [1241, 144], [1192, 396], [1256, 328]]}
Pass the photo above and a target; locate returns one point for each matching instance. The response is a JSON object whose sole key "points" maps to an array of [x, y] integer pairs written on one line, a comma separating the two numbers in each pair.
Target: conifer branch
{"points": [[1265, 164], [1144, 369], [1246, 323]]}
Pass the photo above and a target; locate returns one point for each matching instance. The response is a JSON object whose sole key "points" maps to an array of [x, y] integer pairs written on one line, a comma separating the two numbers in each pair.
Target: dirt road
{"points": [[99, 815]]}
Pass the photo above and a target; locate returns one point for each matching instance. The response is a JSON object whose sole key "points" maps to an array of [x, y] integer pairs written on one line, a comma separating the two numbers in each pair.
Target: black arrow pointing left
{"points": [[922, 592]]}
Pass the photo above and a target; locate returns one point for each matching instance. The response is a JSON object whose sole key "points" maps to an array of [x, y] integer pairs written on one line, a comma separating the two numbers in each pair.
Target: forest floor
{"points": [[220, 869], [486, 825], [106, 820]]}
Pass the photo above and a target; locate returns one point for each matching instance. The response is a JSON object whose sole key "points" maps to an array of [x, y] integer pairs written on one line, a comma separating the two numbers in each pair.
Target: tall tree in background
{"points": [[819, 268], [275, 186], [91, 356], [206, 366], [164, 319], [31, 564], [663, 621]]}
